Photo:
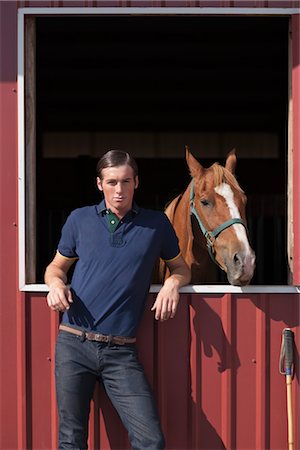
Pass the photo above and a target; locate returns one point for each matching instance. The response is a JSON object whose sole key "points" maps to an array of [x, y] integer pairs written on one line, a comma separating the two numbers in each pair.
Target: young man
{"points": [[116, 245]]}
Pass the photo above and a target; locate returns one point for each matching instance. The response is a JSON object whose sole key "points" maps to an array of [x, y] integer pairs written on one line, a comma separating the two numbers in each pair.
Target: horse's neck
{"points": [[171, 208]]}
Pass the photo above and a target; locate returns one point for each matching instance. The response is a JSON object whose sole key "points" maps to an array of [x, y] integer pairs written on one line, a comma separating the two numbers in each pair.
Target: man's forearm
{"points": [[180, 273], [55, 276], [179, 278]]}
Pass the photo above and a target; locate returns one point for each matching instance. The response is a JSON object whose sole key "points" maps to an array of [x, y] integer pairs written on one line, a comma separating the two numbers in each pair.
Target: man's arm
{"points": [[166, 302], [59, 297]]}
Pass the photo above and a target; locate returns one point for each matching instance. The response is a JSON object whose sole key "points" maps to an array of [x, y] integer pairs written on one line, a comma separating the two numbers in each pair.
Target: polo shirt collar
{"points": [[101, 208]]}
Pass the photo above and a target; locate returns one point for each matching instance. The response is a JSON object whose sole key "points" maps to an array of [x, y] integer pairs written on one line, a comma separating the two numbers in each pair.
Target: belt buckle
{"points": [[98, 337]]}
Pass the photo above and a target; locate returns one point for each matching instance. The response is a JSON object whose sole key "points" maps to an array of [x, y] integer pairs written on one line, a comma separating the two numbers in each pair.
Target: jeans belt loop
{"points": [[83, 336]]}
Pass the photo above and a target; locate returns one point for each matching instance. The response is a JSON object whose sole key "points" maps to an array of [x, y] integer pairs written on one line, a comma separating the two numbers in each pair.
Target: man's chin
{"points": [[119, 204]]}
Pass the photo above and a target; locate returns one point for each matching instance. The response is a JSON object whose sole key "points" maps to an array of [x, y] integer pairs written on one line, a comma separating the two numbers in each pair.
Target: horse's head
{"points": [[219, 204]]}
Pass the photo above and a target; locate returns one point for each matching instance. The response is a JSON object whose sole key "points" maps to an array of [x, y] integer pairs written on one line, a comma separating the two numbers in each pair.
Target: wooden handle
{"points": [[290, 412]]}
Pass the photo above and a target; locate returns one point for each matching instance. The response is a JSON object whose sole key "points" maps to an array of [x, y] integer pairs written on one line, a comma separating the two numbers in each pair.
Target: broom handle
{"points": [[290, 411], [288, 346]]}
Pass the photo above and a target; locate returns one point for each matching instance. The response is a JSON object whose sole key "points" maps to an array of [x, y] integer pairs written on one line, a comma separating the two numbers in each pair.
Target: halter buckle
{"points": [[210, 239]]}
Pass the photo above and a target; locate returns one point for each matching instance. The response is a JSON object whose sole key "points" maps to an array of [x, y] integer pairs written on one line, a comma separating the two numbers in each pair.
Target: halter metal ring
{"points": [[210, 239]]}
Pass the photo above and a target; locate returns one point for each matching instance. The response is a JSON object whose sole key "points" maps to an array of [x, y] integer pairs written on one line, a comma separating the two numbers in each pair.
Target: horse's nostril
{"points": [[237, 259]]}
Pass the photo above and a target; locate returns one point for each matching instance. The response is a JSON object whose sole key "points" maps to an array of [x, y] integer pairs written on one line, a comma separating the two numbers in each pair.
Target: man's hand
{"points": [[165, 305], [59, 297]]}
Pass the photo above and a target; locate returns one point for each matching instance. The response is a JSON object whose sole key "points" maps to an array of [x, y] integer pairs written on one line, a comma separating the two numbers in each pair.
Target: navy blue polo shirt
{"points": [[113, 273]]}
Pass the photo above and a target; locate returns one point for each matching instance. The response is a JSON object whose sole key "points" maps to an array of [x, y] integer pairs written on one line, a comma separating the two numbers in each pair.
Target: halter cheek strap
{"points": [[211, 235]]}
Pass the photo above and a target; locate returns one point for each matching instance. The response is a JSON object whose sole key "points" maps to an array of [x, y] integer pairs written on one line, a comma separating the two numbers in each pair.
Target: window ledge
{"points": [[201, 289]]}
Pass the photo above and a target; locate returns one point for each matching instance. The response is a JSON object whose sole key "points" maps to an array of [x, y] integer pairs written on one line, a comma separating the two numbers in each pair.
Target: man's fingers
{"points": [[70, 299], [164, 313], [156, 307], [163, 309], [59, 299]]}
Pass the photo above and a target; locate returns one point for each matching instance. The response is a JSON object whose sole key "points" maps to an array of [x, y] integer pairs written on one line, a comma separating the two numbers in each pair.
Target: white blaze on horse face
{"points": [[226, 192]]}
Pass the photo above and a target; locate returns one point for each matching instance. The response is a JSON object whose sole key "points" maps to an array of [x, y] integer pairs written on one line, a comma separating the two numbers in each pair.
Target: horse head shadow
{"points": [[209, 330]]}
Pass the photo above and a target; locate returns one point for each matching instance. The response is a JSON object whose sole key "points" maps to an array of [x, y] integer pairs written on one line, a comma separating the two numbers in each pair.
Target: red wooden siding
{"points": [[214, 368]]}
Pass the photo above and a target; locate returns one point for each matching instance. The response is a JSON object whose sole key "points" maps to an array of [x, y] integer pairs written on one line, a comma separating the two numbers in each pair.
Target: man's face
{"points": [[118, 185]]}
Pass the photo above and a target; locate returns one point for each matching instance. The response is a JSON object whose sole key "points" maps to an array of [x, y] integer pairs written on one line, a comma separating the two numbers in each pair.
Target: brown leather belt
{"points": [[109, 339]]}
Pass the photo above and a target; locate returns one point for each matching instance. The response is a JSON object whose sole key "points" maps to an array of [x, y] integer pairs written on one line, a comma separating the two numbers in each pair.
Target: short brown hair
{"points": [[115, 158]]}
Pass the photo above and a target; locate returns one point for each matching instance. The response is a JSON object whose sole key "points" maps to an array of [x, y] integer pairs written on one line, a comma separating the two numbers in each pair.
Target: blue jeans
{"points": [[79, 364]]}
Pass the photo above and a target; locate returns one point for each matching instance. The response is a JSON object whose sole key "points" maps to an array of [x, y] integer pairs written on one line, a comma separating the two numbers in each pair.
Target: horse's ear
{"points": [[194, 166], [231, 161]]}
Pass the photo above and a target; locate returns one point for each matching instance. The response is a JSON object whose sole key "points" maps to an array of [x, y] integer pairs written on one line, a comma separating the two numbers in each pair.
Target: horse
{"points": [[210, 222]]}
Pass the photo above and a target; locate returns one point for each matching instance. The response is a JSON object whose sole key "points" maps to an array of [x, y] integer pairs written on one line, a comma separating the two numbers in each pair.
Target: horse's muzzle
{"points": [[240, 268]]}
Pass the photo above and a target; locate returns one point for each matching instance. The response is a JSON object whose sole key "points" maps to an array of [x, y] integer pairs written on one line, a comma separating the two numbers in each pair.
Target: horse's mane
{"points": [[222, 175]]}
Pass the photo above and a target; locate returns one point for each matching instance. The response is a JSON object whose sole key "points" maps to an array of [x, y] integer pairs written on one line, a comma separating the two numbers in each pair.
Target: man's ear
{"points": [[99, 184], [136, 182]]}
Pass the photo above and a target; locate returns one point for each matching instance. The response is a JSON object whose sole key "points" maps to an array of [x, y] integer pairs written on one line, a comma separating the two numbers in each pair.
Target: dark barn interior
{"points": [[164, 74]]}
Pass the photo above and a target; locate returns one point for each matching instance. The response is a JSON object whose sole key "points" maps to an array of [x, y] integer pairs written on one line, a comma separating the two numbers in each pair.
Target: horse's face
{"points": [[218, 199]]}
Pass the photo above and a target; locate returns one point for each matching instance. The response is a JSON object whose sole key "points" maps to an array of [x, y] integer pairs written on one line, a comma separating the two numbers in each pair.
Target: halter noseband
{"points": [[211, 236]]}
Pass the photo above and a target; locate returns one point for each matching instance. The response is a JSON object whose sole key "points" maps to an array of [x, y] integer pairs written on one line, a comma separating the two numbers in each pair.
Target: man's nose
{"points": [[119, 187]]}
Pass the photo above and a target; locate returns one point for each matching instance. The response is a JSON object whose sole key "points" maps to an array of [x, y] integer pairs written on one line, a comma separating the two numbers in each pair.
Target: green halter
{"points": [[211, 236]]}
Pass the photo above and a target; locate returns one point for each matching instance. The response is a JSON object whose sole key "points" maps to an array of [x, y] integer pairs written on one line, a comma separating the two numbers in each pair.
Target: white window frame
{"points": [[155, 11]]}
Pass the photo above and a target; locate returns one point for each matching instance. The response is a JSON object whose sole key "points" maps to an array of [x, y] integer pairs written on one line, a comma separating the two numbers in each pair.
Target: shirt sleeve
{"points": [[170, 246], [67, 243]]}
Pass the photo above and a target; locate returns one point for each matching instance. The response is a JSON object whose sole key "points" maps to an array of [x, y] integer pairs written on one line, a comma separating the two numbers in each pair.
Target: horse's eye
{"points": [[204, 202]]}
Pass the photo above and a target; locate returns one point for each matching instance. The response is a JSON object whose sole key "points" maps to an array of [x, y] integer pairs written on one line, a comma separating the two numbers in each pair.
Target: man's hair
{"points": [[116, 158]]}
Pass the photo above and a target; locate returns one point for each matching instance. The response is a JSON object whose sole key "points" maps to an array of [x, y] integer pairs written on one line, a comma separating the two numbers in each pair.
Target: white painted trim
{"points": [[228, 289], [21, 124], [21, 151], [161, 10], [202, 289]]}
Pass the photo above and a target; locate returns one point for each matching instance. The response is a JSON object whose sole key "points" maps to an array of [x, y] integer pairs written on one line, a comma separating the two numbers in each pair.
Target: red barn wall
{"points": [[214, 370]]}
